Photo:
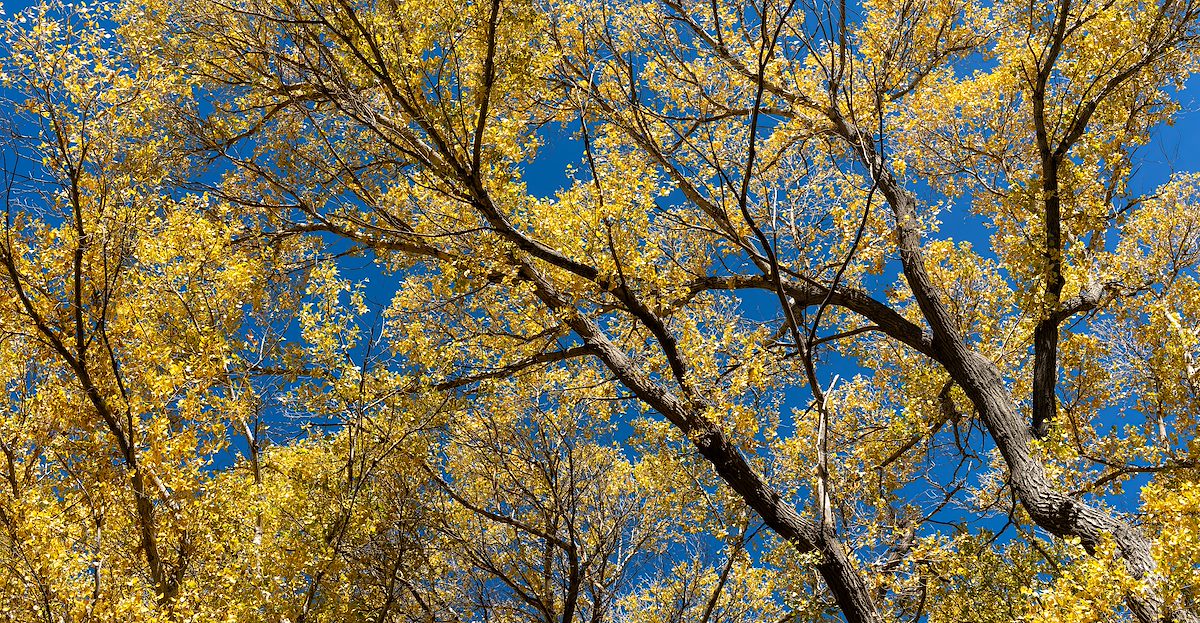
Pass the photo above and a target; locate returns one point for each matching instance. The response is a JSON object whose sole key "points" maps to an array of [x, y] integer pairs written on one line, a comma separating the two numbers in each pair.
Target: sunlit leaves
{"points": [[288, 337]]}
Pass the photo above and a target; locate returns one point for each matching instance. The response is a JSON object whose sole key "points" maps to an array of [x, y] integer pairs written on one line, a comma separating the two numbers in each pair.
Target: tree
{"points": [[932, 429]]}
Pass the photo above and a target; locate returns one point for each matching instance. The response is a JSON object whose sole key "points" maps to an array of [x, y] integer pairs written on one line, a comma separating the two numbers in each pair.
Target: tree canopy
{"points": [[578, 310]]}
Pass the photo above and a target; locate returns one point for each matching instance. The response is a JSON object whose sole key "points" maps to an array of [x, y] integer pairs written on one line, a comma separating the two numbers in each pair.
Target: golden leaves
{"points": [[1172, 507], [474, 443], [1087, 589]]}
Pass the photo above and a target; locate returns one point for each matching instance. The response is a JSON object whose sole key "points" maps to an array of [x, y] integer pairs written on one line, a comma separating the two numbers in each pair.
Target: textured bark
{"points": [[1045, 335], [845, 582], [1047, 504], [836, 568]]}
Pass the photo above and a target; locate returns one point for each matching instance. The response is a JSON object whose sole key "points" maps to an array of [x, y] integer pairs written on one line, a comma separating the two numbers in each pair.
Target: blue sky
{"points": [[1175, 148]]}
